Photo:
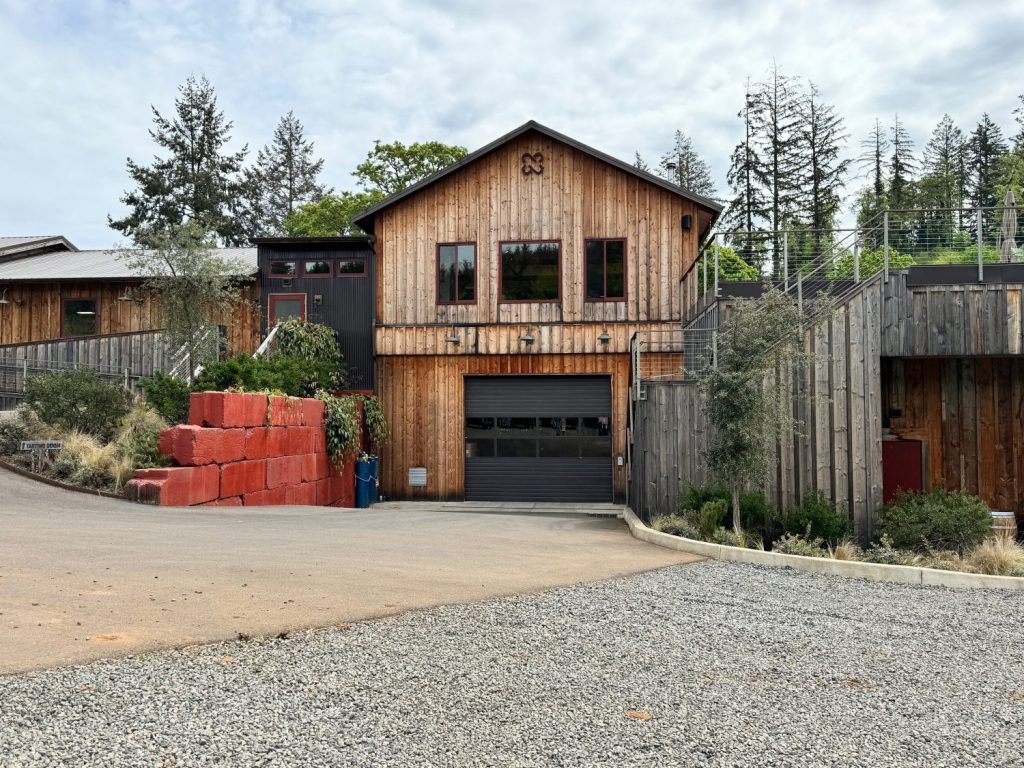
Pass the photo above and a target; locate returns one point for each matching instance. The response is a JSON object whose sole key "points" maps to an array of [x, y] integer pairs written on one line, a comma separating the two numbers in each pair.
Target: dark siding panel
{"points": [[538, 395], [347, 303], [568, 480]]}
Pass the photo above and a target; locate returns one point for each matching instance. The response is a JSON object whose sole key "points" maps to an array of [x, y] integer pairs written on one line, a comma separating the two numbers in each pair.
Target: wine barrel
{"points": [[1004, 524]]}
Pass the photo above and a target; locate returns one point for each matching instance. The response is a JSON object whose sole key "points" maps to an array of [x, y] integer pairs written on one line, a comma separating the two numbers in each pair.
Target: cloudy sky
{"points": [[77, 77]]}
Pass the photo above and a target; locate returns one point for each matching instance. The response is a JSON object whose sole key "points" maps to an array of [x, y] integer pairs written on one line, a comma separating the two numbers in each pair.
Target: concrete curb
{"points": [[902, 574]]}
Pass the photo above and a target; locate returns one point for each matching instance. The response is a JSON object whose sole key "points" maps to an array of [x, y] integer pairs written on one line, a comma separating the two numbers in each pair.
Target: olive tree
{"points": [[192, 283], [748, 402]]}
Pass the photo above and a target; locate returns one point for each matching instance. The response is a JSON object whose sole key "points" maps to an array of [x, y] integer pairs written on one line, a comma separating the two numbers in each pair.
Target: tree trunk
{"points": [[737, 526]]}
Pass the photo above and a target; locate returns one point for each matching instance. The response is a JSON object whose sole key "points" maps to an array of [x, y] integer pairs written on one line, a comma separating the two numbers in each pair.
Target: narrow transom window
{"points": [[80, 317], [456, 273], [318, 268], [606, 270], [530, 271], [351, 267], [283, 268]]}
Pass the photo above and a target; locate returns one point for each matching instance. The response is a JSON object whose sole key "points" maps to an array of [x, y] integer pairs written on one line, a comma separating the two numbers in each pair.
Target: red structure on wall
{"points": [[902, 467], [242, 449]]}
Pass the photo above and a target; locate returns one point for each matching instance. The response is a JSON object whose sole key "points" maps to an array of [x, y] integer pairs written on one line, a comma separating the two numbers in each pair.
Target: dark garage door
{"points": [[538, 438]]}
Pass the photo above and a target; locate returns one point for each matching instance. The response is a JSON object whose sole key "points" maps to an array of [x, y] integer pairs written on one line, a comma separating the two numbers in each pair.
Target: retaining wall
{"points": [[242, 449]]}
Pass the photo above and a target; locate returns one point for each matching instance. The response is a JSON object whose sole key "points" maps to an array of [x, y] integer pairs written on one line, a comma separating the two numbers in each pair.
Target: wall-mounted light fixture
{"points": [[129, 295], [604, 338], [527, 338], [451, 338], [4, 300]]}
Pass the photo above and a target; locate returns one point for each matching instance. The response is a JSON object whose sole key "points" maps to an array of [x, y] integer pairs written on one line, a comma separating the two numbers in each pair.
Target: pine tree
{"points": [[1018, 114], [197, 181], [901, 166], [943, 184], [283, 178], [986, 150], [821, 139], [748, 209], [776, 126], [683, 166], [872, 201], [640, 164]]}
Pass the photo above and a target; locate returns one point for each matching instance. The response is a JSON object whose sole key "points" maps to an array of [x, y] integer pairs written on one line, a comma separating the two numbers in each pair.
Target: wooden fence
{"points": [[836, 403]]}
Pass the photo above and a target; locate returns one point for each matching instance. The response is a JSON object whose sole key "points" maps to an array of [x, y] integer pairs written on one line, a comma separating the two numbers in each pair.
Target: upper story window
{"points": [[80, 317], [351, 267], [606, 270], [317, 268], [456, 273], [531, 271], [284, 268]]}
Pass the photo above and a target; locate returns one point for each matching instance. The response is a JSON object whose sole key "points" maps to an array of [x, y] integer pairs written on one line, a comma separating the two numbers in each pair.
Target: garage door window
{"points": [[547, 437]]}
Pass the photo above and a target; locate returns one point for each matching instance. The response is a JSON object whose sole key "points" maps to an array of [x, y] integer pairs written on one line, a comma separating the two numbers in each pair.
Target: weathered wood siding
{"points": [[958, 320], [836, 402], [34, 312], [577, 197], [970, 411], [423, 401]]}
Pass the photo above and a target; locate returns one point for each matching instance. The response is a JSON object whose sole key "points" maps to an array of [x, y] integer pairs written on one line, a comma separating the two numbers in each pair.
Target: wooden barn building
{"points": [[508, 286]]}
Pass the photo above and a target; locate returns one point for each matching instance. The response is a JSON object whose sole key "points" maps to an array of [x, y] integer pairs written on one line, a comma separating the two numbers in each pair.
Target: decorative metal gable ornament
{"points": [[533, 163]]}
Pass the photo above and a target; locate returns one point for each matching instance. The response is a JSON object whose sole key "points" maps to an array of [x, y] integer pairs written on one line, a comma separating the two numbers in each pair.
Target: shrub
{"points": [[816, 517], [938, 520], [138, 436], [168, 396], [729, 538], [676, 525], [341, 424], [296, 376], [845, 550], [796, 544], [755, 512], [884, 553], [84, 460], [997, 556], [710, 517], [77, 400], [311, 341], [12, 432]]}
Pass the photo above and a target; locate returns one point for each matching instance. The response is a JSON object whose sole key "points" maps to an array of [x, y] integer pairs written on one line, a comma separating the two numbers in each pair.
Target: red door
{"points": [[284, 306], [902, 467]]}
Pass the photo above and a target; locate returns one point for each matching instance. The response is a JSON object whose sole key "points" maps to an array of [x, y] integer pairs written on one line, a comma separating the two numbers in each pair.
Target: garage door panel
{"points": [[539, 479], [538, 438]]}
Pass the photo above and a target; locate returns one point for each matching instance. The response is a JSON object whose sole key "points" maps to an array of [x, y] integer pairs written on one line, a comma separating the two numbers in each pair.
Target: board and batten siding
{"points": [[836, 447], [490, 201], [34, 311], [423, 400], [970, 412]]}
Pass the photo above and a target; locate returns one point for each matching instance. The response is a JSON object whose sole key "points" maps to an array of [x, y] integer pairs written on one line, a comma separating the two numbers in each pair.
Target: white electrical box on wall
{"points": [[417, 477]]}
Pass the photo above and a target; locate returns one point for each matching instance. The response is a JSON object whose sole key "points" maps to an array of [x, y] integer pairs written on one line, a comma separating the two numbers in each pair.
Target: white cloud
{"points": [[77, 78]]}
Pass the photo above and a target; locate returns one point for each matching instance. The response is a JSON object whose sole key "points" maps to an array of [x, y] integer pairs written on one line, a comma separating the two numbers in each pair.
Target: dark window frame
{"points": [[63, 314], [502, 244], [625, 268], [273, 298], [476, 274], [346, 259], [317, 275], [277, 276], [578, 437]]}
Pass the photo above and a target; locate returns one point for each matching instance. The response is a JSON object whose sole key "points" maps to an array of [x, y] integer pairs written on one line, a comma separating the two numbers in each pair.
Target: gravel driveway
{"points": [[734, 664]]}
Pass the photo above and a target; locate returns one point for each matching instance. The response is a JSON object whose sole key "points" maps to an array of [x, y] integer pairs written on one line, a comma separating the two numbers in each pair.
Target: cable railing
{"points": [[824, 266]]}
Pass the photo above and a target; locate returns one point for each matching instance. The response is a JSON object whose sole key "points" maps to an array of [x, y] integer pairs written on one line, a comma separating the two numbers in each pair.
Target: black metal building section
{"points": [[538, 438], [341, 299]]}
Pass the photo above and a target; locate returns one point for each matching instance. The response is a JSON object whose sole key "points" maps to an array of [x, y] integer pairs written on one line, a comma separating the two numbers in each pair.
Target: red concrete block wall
{"points": [[244, 449]]}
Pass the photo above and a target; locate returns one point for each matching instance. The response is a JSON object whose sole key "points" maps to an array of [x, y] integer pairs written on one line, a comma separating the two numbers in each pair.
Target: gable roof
{"points": [[365, 218], [98, 265], [16, 247]]}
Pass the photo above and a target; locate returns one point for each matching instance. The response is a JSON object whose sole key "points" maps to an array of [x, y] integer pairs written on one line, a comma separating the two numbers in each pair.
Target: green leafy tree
{"points": [[193, 283], [747, 404], [196, 181], [331, 215], [283, 178], [683, 166], [390, 168]]}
